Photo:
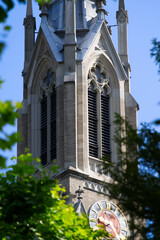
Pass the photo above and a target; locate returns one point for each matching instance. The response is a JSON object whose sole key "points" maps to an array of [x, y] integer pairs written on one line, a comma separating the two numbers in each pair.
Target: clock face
{"points": [[111, 217]]}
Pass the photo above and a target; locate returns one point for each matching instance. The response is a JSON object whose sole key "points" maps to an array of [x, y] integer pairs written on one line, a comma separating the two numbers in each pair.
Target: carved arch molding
{"points": [[99, 78]]}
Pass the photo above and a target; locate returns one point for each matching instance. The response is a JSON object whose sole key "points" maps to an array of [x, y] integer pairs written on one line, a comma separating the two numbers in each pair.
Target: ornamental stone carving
{"points": [[122, 19], [44, 51], [47, 83], [95, 187], [29, 21], [99, 78]]}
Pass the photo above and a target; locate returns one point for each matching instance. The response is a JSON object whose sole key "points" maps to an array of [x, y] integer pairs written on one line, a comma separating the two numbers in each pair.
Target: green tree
{"points": [[136, 177], [8, 110], [155, 52], [5, 7], [8, 115], [32, 206]]}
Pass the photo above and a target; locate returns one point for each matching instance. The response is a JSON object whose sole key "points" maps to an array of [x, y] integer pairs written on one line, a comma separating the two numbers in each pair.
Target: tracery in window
{"points": [[99, 77], [98, 111], [47, 83]]}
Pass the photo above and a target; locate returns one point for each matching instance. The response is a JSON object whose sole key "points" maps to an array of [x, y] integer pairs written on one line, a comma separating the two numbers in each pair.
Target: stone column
{"points": [[70, 95]]}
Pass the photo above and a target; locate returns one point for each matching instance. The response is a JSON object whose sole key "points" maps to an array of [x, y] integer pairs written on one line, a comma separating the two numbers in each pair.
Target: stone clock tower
{"points": [[74, 82]]}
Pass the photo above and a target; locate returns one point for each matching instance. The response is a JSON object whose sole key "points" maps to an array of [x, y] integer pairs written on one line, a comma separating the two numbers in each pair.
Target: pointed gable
{"points": [[98, 39], [41, 60], [79, 208]]}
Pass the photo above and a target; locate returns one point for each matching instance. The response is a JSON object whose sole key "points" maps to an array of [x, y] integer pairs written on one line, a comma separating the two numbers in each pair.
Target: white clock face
{"points": [[112, 218]]}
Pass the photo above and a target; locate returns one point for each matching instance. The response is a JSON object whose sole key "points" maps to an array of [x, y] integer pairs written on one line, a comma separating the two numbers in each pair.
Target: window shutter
{"points": [[92, 117], [53, 124], [44, 130], [105, 118]]}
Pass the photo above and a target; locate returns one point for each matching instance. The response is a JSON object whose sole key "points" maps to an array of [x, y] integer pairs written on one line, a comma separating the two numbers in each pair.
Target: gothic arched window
{"points": [[48, 118], [98, 112]]}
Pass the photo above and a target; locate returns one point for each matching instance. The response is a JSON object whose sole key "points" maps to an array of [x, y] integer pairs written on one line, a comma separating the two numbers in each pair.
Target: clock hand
{"points": [[106, 223], [103, 220], [112, 226]]}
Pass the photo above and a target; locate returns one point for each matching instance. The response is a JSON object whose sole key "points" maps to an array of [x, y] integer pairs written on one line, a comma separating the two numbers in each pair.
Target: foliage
{"points": [[5, 7], [136, 177], [31, 206], [155, 52], [8, 115]]}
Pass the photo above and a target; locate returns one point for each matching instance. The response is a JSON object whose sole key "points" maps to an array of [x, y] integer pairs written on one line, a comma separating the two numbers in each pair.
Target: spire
{"points": [[122, 21], [121, 9], [121, 5], [29, 11], [29, 26]]}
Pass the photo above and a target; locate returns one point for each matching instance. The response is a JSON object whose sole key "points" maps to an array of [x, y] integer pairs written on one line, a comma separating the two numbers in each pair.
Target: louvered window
{"points": [[92, 117], [53, 124], [48, 118], [98, 112], [105, 124], [44, 130]]}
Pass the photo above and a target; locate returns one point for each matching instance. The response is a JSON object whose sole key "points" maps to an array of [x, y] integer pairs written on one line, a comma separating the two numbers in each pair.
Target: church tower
{"points": [[74, 83]]}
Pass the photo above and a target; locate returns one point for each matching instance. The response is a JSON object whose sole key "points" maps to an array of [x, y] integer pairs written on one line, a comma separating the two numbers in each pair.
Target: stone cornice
{"points": [[71, 172]]}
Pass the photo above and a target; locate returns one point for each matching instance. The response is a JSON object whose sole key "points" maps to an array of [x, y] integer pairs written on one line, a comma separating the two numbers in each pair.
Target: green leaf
{"points": [[3, 14], [7, 28], [157, 122], [42, 2], [18, 105], [40, 168], [2, 162], [1, 81], [9, 4], [22, 1], [2, 46]]}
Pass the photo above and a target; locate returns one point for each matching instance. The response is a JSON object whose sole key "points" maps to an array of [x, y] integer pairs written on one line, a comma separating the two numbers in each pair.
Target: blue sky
{"points": [[144, 19]]}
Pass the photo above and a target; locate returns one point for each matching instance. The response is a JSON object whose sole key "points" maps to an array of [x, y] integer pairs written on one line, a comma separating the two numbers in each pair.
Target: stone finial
{"points": [[121, 5], [122, 21], [78, 206], [79, 193], [121, 11], [99, 4], [29, 11], [30, 26], [44, 10]]}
